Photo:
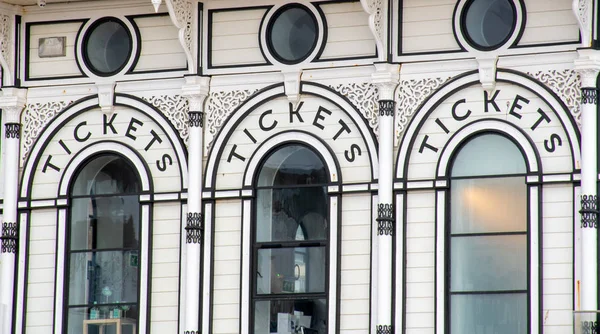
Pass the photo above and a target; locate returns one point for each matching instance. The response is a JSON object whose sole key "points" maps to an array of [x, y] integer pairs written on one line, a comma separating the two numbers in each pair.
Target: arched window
{"points": [[488, 239], [103, 247], [290, 246]]}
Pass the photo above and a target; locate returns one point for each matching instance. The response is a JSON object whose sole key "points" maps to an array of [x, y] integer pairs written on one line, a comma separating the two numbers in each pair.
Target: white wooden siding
{"points": [[420, 262], [427, 26], [355, 266], [41, 272], [165, 268], [160, 49], [227, 261], [549, 21], [348, 33], [235, 37], [557, 263], [55, 66]]}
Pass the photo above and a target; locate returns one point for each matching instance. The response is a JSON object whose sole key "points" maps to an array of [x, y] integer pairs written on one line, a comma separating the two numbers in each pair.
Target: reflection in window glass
{"points": [[487, 238], [489, 23], [291, 237], [104, 247], [292, 34], [107, 47]]}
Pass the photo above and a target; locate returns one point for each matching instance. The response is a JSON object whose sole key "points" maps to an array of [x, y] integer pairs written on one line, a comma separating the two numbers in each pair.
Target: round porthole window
{"points": [[292, 34], [488, 24], [107, 47]]}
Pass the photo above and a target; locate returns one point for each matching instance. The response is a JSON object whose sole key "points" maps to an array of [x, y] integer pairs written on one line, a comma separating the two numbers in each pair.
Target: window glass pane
{"points": [[80, 316], [292, 165], [489, 154], [278, 316], [281, 211], [103, 277], [105, 222], [293, 34], [488, 263], [489, 205], [291, 270], [108, 47], [489, 314], [106, 175]]}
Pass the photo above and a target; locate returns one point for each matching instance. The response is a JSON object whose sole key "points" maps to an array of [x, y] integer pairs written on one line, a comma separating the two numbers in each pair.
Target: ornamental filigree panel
{"points": [[12, 130], [566, 84], [218, 108], [410, 96], [6, 37], [175, 107], [34, 118], [182, 15], [9, 237], [589, 211], [364, 97], [589, 327], [384, 329], [385, 219], [194, 227]]}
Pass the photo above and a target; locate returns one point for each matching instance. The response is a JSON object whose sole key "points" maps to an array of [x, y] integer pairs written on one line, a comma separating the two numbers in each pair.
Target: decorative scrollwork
{"points": [[384, 329], [218, 107], [376, 10], [589, 211], [410, 95], [9, 237], [196, 119], [386, 107], [6, 40], [182, 15], [35, 117], [12, 130], [589, 95], [565, 84], [175, 107], [364, 97], [589, 327], [191, 332], [194, 227], [385, 219], [583, 10]]}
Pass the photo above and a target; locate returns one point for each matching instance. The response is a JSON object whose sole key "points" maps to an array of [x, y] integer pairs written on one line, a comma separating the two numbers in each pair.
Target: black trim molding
{"points": [[196, 119], [194, 228], [13, 130], [387, 107], [589, 211], [384, 329], [589, 95], [385, 219], [9, 237]]}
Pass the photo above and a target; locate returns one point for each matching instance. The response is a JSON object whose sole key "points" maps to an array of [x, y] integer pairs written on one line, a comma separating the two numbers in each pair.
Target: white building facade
{"points": [[345, 166]]}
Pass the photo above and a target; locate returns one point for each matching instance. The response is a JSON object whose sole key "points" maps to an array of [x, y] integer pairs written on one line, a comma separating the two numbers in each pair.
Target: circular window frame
{"points": [[461, 35], [269, 20], [84, 35]]}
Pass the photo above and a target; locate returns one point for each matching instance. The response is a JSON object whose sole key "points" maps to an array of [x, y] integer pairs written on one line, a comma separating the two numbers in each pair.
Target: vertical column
{"points": [[386, 79], [12, 103], [196, 90]]}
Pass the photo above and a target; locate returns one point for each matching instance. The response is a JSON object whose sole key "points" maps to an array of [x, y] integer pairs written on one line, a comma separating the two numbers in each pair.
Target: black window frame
{"points": [[465, 32], [85, 40]]}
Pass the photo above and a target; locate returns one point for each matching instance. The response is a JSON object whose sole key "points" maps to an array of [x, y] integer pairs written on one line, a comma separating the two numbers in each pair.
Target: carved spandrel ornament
{"points": [[34, 119], [377, 14], [584, 15], [6, 40], [218, 108], [364, 97], [566, 85], [182, 15], [175, 107]]}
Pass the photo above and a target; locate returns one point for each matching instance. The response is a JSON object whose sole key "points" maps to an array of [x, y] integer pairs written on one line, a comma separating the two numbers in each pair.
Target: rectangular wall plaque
{"points": [[52, 47]]}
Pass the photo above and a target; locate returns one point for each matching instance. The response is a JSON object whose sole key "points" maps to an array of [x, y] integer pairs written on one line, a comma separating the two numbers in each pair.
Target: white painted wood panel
{"points": [[427, 26], [55, 66], [420, 261], [160, 48], [557, 260], [234, 37], [549, 21], [227, 261], [355, 264], [348, 33], [165, 267], [41, 272]]}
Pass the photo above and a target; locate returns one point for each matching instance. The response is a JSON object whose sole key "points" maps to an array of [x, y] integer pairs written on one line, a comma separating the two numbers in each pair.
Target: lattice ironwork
{"points": [[9, 237], [196, 119], [385, 219], [589, 211], [384, 329], [13, 130], [191, 332], [589, 96], [194, 228], [387, 107], [589, 327]]}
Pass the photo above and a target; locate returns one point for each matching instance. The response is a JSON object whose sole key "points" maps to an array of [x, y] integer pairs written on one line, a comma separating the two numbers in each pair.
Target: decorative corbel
{"points": [[106, 96], [291, 82], [182, 16], [487, 73], [377, 11], [196, 90], [584, 15], [6, 42]]}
